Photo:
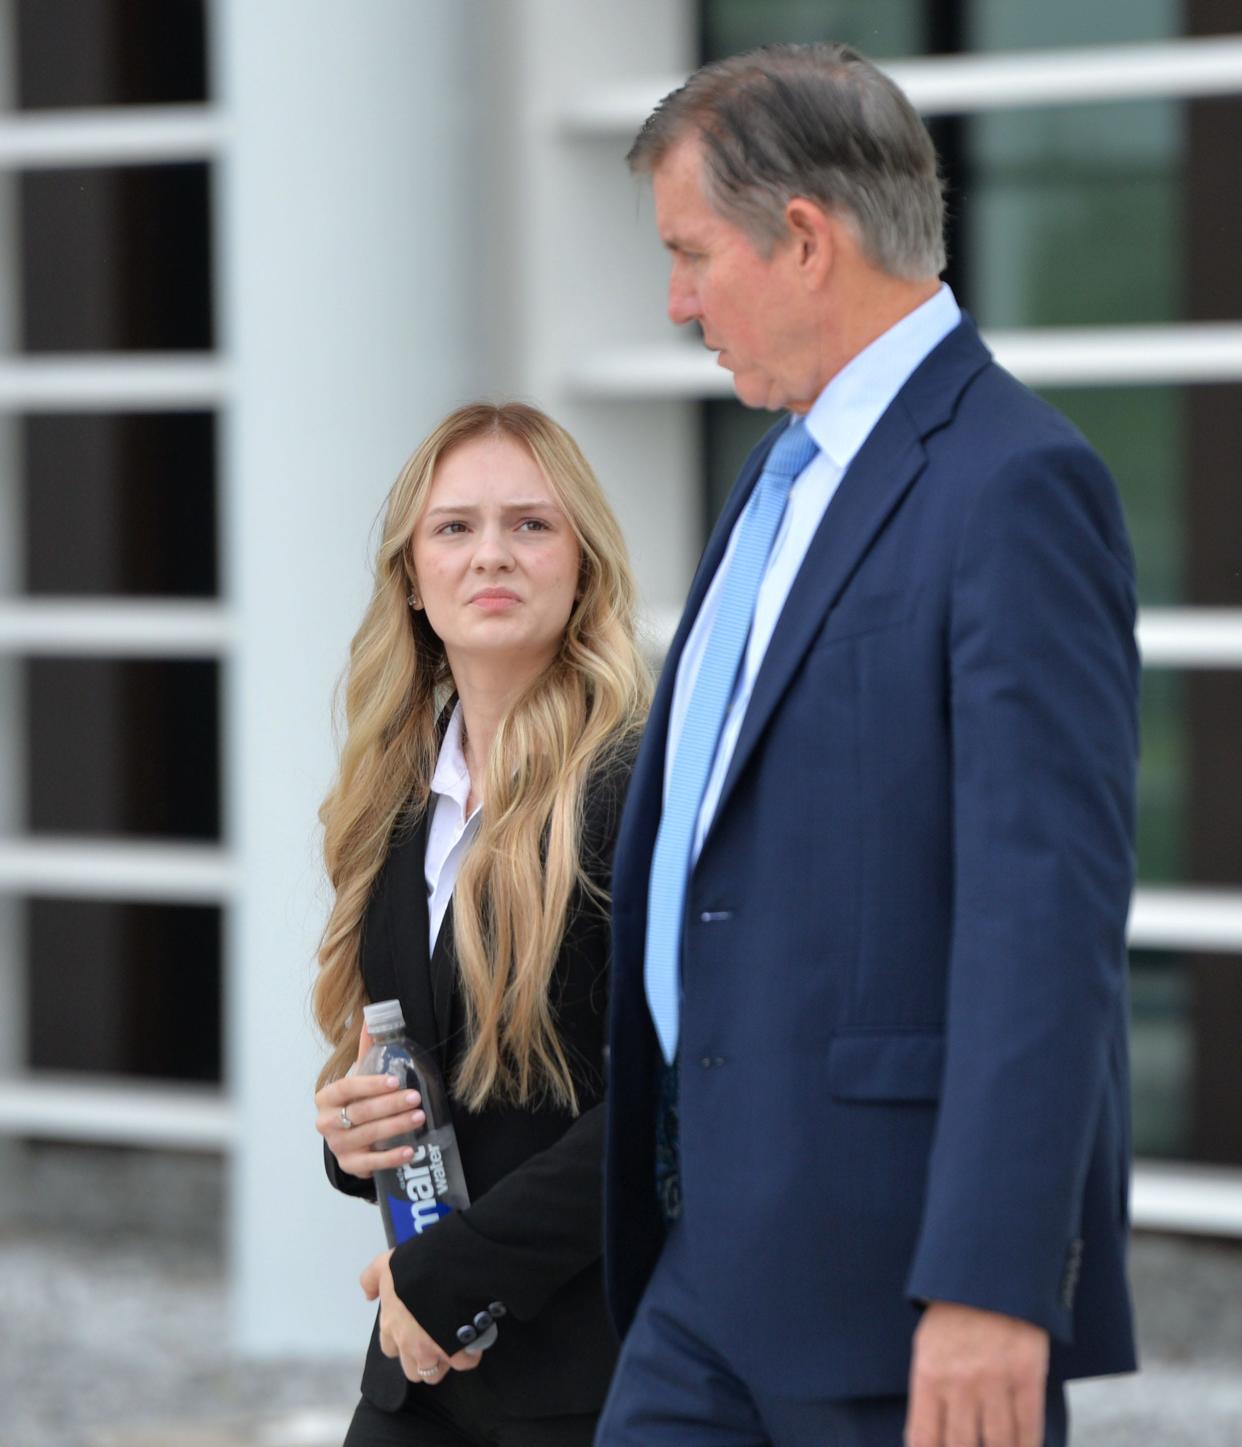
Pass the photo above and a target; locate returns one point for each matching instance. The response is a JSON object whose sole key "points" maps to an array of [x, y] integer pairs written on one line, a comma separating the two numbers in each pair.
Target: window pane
{"points": [[123, 52], [120, 503], [1161, 1054], [729, 432], [1142, 434], [116, 259], [1075, 215], [1019, 25], [123, 747], [1187, 1089], [126, 989], [877, 27], [1190, 791]]}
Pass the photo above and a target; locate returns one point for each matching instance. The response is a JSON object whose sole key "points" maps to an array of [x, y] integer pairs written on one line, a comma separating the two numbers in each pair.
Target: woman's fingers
{"points": [[375, 1120], [371, 1104], [360, 1112], [349, 1090], [357, 1138], [364, 1163]]}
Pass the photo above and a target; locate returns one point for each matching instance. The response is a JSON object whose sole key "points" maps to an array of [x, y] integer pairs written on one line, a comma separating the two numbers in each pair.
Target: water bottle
{"points": [[414, 1196]]}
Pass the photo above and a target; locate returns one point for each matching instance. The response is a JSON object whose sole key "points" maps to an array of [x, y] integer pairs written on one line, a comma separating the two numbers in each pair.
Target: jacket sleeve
{"points": [[350, 1185], [518, 1244], [1044, 684], [542, 1224]]}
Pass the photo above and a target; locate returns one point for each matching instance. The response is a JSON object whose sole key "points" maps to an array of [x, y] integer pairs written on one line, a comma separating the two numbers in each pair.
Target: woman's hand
{"points": [[401, 1336], [376, 1110]]}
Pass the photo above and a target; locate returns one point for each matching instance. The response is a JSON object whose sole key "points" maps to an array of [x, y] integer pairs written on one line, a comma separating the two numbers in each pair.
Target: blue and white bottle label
{"points": [[423, 1187]]}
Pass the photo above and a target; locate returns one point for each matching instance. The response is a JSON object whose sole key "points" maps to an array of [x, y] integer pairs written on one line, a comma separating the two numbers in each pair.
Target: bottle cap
{"points": [[383, 1017]]}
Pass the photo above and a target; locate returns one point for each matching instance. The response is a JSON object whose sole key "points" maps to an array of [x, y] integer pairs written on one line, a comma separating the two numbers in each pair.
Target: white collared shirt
{"points": [[450, 831], [840, 421]]}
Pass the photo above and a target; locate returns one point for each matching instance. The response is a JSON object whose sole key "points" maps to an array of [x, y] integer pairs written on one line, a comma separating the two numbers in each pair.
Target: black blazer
{"points": [[532, 1237]]}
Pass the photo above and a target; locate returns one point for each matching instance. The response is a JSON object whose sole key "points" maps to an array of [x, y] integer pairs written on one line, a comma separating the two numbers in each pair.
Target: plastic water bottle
{"points": [[413, 1197]]}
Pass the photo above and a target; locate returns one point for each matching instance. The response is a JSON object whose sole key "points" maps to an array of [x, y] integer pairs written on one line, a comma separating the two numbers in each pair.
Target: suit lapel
{"points": [[404, 965], [887, 465], [442, 976]]}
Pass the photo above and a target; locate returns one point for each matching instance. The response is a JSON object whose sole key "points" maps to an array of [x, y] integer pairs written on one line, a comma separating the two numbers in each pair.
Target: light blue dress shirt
{"points": [[840, 421]]}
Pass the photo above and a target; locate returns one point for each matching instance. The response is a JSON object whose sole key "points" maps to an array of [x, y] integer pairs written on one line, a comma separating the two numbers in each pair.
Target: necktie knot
{"points": [[790, 453]]}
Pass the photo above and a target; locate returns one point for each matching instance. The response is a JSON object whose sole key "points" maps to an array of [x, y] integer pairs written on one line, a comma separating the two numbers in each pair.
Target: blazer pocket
{"points": [[868, 613], [907, 1066]]}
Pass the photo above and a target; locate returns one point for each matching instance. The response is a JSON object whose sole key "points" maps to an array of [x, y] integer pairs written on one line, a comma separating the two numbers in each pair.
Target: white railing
{"points": [[134, 871], [116, 628], [118, 1111], [142, 382], [1041, 357], [111, 136], [1178, 1196], [969, 84], [1191, 637], [1200, 919]]}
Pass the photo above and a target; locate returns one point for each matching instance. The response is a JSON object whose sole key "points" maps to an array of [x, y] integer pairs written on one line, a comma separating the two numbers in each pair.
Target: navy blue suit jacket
{"points": [[903, 1062]]}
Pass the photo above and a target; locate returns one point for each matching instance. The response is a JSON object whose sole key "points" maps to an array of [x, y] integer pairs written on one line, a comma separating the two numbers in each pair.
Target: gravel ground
{"points": [[143, 1366]]}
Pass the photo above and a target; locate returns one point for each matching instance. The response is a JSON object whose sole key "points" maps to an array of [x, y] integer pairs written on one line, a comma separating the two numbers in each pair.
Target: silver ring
{"points": [[346, 1123], [427, 1371]]}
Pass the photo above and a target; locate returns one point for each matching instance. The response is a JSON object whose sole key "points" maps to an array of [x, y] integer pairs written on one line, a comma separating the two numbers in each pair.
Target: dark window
{"points": [[123, 747], [1187, 1088], [121, 503], [124, 989], [109, 52], [116, 259]]}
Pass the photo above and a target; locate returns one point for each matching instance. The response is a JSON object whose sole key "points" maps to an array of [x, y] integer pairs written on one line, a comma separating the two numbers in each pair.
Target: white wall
{"points": [[577, 264]]}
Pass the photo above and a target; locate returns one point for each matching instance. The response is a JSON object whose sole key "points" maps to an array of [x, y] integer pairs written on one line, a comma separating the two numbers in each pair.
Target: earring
{"points": [[412, 600]]}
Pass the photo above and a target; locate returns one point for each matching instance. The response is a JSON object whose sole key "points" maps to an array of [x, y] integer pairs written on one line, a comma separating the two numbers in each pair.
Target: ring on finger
{"points": [[346, 1123]]}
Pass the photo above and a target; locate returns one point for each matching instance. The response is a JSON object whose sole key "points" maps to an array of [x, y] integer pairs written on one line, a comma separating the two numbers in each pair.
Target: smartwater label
{"points": [[423, 1184]]}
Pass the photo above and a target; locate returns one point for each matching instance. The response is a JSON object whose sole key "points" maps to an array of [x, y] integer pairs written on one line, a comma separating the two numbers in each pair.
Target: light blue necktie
{"points": [[700, 733]]}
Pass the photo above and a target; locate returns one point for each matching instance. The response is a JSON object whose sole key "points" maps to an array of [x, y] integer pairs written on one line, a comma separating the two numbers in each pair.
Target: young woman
{"points": [[494, 699]]}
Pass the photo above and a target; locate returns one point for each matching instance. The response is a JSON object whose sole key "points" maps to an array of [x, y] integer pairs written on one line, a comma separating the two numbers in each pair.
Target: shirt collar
{"points": [[452, 777], [844, 413]]}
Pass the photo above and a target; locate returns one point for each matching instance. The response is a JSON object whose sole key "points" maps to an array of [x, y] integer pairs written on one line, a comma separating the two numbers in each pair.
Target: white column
{"points": [[348, 222], [577, 265]]}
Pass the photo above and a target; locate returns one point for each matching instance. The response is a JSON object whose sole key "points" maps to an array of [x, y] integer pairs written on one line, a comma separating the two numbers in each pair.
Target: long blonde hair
{"points": [[513, 893]]}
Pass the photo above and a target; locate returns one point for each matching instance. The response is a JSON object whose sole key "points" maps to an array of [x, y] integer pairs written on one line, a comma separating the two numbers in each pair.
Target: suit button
{"points": [[706, 1062], [482, 1321], [496, 1310], [466, 1334]]}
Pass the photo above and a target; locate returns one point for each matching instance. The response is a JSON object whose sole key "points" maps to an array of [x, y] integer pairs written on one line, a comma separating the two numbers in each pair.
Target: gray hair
{"points": [[819, 121]]}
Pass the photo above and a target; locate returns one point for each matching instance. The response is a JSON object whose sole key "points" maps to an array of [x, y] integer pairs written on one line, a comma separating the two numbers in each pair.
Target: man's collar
{"points": [[842, 416]]}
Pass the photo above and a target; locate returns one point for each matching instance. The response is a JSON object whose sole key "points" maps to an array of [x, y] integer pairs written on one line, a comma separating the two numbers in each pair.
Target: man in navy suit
{"points": [[868, 1133]]}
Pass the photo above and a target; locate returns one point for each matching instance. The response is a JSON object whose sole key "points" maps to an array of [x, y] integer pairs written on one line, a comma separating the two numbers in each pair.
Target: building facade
{"points": [[250, 252]]}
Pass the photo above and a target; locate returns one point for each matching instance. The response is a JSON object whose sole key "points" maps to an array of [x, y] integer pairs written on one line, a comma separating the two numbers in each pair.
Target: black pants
{"points": [[455, 1413]]}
